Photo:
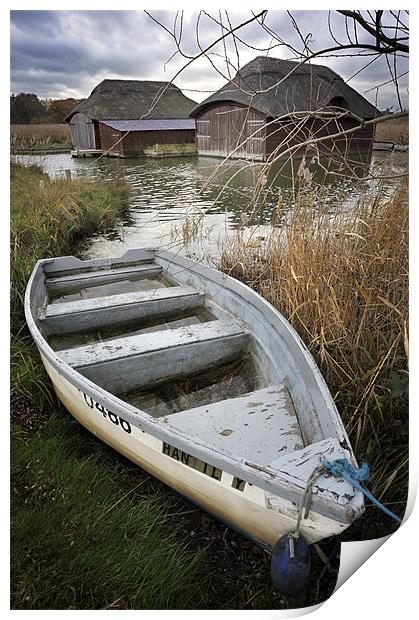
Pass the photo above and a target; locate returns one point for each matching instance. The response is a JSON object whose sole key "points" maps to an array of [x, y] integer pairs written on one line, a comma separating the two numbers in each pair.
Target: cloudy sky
{"points": [[66, 53]]}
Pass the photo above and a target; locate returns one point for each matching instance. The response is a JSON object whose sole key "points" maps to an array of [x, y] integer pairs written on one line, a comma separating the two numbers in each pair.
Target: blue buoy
{"points": [[290, 565]]}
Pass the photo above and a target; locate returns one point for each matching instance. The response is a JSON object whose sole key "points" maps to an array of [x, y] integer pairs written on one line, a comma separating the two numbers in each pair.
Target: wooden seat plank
{"points": [[130, 346], [67, 317], [133, 362], [101, 276]]}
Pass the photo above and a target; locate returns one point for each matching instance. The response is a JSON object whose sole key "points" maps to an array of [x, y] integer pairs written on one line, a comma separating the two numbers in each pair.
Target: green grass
{"points": [[48, 217], [162, 149], [90, 530], [82, 538], [74, 542]]}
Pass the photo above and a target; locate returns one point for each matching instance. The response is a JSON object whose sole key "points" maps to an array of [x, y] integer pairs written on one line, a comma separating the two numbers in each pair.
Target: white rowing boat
{"points": [[200, 381]]}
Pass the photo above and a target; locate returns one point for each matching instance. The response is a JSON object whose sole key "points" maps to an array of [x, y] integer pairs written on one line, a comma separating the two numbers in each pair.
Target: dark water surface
{"points": [[195, 203]]}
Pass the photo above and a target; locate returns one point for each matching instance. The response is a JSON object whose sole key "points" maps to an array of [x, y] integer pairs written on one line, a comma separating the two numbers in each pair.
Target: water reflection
{"points": [[203, 200]]}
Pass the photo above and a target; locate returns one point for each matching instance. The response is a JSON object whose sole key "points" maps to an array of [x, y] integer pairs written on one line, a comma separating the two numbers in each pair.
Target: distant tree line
{"points": [[26, 108]]}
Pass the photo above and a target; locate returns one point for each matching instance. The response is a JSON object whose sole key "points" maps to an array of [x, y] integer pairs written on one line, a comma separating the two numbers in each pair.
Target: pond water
{"points": [[194, 204]]}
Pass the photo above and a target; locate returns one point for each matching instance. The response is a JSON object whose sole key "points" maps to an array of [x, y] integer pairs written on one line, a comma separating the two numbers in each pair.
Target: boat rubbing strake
{"points": [[200, 381]]}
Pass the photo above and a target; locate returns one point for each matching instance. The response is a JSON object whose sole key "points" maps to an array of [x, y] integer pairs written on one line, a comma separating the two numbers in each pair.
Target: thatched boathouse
{"points": [[129, 118], [272, 104]]}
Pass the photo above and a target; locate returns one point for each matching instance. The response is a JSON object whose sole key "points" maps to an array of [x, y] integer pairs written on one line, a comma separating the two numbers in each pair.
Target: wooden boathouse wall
{"points": [[287, 133], [109, 139], [135, 142], [222, 129], [82, 132]]}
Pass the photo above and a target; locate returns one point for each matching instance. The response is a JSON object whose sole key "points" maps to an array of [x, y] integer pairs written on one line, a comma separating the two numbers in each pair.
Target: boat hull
{"points": [[249, 511]]}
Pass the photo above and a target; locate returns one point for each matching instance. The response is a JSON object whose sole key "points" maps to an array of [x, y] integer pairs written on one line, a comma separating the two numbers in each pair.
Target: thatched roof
{"points": [[262, 84], [132, 99]]}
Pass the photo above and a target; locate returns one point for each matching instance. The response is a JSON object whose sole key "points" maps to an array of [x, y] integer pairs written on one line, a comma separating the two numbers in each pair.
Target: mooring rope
{"points": [[339, 468], [342, 468]]}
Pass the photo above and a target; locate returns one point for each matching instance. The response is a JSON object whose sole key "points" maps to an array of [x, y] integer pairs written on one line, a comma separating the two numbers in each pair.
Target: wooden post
{"points": [[68, 175]]}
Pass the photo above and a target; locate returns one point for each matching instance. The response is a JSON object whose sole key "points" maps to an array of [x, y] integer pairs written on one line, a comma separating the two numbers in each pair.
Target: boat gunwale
{"points": [[275, 484]]}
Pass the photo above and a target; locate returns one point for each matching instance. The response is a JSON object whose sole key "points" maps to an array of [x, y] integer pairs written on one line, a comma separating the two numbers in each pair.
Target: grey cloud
{"points": [[66, 53]]}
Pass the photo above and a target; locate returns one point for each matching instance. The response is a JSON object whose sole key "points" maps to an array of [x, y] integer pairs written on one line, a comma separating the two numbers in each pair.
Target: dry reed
{"points": [[394, 130], [341, 279], [40, 135]]}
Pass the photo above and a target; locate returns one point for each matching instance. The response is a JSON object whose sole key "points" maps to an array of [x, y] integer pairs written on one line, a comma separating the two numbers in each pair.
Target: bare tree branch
{"points": [[393, 44]]}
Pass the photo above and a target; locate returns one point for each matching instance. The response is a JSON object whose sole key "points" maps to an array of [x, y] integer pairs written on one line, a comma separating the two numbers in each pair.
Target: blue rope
{"points": [[342, 468]]}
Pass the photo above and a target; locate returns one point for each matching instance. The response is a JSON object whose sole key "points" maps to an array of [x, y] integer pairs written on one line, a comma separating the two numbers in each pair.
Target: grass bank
{"points": [[45, 135], [80, 537], [49, 218], [341, 279]]}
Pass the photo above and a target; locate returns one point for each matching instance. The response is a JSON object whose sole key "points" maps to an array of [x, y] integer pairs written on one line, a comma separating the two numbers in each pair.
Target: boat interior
{"points": [[162, 347]]}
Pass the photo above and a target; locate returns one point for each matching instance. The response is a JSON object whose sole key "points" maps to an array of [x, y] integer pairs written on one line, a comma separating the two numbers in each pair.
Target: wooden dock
{"points": [[86, 152], [39, 150], [390, 146]]}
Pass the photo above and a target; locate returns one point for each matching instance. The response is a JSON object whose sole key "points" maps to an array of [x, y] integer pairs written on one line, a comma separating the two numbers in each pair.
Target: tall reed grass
{"points": [[45, 135], [341, 279], [393, 130], [48, 218]]}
